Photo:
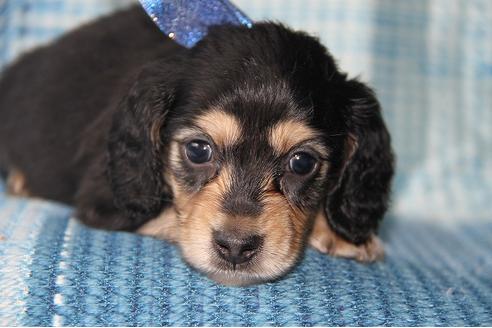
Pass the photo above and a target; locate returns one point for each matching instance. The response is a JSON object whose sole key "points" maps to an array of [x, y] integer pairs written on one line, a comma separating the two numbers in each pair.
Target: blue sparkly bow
{"points": [[187, 21]]}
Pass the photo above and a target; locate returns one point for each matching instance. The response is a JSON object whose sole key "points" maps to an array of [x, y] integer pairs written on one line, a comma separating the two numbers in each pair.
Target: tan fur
{"points": [[165, 226], [155, 131], [284, 228], [325, 240], [195, 215], [193, 218], [174, 156], [223, 128], [285, 135], [186, 133], [17, 184]]}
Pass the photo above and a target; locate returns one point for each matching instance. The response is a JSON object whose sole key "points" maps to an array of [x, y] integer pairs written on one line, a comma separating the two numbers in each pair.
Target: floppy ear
{"points": [[135, 166], [359, 200]]}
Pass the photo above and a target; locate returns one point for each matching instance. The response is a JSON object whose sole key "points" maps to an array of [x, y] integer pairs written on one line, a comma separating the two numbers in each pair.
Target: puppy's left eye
{"points": [[198, 151], [302, 163]]}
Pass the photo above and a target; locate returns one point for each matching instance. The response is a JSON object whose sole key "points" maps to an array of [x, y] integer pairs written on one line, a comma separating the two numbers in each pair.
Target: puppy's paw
{"points": [[16, 184], [325, 240], [165, 226], [370, 251]]}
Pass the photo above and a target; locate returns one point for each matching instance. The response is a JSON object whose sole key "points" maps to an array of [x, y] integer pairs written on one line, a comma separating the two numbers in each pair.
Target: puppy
{"points": [[241, 150]]}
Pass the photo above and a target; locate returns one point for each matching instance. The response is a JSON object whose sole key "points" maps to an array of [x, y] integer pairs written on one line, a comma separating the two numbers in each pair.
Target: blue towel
{"points": [[56, 271]]}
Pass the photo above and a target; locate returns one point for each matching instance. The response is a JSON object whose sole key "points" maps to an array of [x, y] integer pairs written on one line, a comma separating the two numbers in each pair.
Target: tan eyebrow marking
{"points": [[285, 135], [223, 128]]}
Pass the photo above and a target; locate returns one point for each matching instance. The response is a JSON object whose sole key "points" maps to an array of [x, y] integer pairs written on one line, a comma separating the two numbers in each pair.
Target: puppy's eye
{"points": [[198, 151], [302, 163]]}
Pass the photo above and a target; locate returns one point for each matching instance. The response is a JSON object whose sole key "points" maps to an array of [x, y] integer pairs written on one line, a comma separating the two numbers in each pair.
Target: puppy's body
{"points": [[57, 102], [241, 150]]}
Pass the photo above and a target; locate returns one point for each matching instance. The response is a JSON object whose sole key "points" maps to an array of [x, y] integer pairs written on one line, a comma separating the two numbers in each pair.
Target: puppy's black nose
{"points": [[234, 249]]}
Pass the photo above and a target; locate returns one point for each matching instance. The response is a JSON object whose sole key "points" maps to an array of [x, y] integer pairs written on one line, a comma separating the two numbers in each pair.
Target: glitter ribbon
{"points": [[187, 21]]}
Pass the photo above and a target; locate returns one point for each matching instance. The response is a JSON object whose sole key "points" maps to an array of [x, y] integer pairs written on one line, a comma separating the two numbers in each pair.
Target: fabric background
{"points": [[57, 272], [431, 65]]}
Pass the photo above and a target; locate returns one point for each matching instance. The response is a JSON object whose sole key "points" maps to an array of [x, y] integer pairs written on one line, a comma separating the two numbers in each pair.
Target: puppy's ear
{"points": [[359, 200], [135, 166]]}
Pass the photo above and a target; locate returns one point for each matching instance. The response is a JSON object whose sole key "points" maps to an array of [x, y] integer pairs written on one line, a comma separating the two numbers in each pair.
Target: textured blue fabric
{"points": [[187, 22], [57, 272]]}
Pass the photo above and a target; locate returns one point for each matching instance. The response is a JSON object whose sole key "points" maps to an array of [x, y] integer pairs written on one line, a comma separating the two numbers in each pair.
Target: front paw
{"points": [[16, 184], [165, 226], [325, 240]]}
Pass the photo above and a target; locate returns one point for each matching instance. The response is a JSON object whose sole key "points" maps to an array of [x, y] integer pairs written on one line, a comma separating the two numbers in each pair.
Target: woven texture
{"points": [[431, 65], [57, 272]]}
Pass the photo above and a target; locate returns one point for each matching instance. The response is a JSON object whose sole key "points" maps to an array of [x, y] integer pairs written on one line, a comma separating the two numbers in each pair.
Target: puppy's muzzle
{"points": [[236, 249]]}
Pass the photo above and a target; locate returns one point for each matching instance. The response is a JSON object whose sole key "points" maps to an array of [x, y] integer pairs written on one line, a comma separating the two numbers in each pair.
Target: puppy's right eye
{"points": [[198, 151]]}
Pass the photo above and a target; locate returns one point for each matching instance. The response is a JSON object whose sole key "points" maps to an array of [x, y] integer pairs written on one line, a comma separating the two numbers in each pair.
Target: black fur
{"points": [[360, 199], [88, 118]]}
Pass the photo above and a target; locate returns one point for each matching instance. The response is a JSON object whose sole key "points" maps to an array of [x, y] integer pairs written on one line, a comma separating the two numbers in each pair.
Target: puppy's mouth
{"points": [[237, 277], [238, 274], [248, 264]]}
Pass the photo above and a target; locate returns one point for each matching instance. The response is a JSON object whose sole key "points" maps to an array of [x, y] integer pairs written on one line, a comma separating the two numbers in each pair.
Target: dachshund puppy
{"points": [[241, 150]]}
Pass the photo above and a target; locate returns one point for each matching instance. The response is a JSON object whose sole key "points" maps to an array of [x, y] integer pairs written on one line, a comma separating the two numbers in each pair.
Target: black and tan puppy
{"points": [[241, 150]]}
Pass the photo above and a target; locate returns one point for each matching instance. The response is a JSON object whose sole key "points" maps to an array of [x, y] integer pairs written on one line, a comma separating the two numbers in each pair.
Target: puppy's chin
{"points": [[265, 269], [238, 278], [250, 275]]}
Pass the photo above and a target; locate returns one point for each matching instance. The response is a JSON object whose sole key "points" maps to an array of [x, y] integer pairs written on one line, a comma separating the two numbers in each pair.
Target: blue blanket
{"points": [[56, 271]]}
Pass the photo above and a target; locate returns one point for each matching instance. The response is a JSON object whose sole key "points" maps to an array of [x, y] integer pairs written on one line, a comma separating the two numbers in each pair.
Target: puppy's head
{"points": [[251, 134]]}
